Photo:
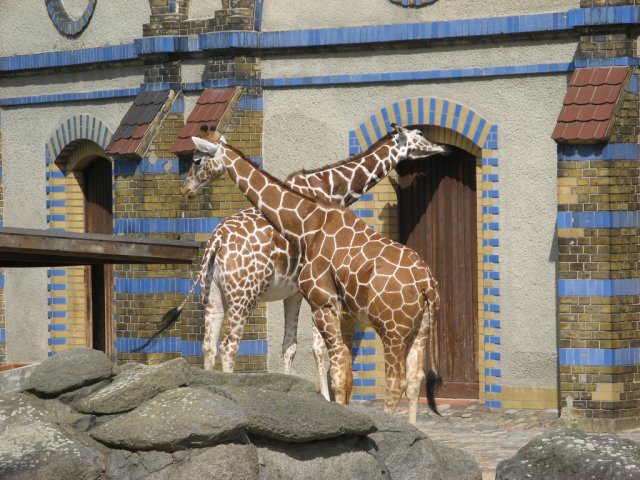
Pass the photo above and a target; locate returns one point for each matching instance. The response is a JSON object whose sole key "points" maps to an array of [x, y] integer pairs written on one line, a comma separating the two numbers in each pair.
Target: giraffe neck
{"points": [[346, 182], [285, 209]]}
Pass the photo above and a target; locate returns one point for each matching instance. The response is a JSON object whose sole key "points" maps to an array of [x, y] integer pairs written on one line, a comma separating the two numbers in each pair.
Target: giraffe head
{"points": [[205, 168], [414, 144]]}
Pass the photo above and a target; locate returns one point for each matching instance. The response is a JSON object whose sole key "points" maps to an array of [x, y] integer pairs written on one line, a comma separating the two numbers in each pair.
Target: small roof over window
{"points": [[138, 127], [213, 107], [589, 105]]}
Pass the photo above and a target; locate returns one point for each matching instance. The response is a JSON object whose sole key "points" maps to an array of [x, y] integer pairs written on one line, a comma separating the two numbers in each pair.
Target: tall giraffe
{"points": [[350, 274], [252, 261]]}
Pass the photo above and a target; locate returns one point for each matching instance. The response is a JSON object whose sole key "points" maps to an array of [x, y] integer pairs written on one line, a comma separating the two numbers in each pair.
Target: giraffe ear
{"points": [[204, 146], [223, 139]]}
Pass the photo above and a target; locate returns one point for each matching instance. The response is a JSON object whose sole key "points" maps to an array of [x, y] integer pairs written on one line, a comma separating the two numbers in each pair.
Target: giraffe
{"points": [[252, 261], [350, 274]]}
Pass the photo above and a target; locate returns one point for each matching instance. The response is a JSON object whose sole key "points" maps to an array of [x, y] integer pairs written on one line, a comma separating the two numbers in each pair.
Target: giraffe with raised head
{"points": [[350, 275], [246, 260]]}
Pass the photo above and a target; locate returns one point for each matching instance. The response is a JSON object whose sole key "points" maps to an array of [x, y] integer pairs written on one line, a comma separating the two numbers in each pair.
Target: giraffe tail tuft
{"points": [[434, 380], [168, 319]]}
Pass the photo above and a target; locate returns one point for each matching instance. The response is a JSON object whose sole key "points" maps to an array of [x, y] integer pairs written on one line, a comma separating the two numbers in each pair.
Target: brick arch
{"points": [[74, 130], [436, 112], [447, 122]]}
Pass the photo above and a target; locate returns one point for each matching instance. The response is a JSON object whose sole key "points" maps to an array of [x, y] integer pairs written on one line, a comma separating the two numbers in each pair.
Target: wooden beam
{"points": [[45, 248]]}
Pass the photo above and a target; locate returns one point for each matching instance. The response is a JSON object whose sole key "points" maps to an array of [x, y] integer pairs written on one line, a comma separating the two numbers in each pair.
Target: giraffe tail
{"points": [[173, 315], [434, 380]]}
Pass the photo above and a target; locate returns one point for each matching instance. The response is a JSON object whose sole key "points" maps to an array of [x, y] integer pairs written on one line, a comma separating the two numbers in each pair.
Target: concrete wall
{"points": [[525, 109], [204, 8], [74, 82], [25, 132], [29, 29], [294, 14], [417, 59]]}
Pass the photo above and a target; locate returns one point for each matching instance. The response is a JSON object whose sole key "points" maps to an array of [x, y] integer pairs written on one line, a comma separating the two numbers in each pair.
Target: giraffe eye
{"points": [[197, 161]]}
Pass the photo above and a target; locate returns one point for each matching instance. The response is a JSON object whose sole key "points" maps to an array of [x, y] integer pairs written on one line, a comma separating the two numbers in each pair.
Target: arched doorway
{"points": [[437, 215], [98, 218]]}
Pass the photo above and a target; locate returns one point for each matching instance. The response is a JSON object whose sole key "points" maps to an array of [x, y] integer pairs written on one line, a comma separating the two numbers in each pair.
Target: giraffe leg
{"points": [[395, 372], [348, 328], [237, 316], [213, 318], [326, 320], [319, 351], [290, 340], [415, 370]]}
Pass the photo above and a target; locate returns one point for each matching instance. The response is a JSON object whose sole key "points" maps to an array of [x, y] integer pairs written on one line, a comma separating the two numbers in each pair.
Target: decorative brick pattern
{"points": [[456, 125], [64, 23], [413, 3], [599, 255]]}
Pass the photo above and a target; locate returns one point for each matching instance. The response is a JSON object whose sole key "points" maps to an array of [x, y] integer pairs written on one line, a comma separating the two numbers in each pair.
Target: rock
{"points": [[125, 465], [175, 420], [266, 381], [223, 462], [76, 395], [135, 386], [409, 454], [68, 370], [24, 408], [457, 464], [297, 418], [327, 459], [42, 451], [569, 453]]}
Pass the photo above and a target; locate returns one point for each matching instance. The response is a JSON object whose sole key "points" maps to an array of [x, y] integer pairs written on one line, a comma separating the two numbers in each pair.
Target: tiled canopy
{"points": [[589, 104], [139, 122], [210, 108]]}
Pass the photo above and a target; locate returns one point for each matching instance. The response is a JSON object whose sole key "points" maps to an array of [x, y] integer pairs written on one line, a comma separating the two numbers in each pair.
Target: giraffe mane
{"points": [[352, 158], [278, 181]]}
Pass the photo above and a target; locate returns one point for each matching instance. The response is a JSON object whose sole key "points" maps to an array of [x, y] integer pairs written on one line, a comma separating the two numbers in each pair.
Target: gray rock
{"points": [[327, 459], [135, 386], [125, 465], [266, 381], [222, 462], [68, 370], [297, 418], [457, 464], [568, 453], [76, 395], [175, 420], [24, 408], [42, 451], [409, 454]]}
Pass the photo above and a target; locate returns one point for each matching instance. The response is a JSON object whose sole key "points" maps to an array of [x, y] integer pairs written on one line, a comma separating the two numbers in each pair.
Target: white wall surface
{"points": [[25, 133], [297, 15], [25, 26], [308, 127], [204, 8]]}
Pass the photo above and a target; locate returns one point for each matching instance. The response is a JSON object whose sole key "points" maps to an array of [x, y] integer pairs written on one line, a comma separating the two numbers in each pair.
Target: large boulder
{"points": [[409, 454], [68, 370], [297, 418], [223, 462], [125, 465], [265, 381], [43, 451], [135, 386], [559, 454], [328, 459], [175, 420], [23, 408]]}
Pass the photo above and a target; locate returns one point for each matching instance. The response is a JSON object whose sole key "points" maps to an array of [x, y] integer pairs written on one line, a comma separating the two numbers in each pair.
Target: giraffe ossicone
{"points": [[349, 274]]}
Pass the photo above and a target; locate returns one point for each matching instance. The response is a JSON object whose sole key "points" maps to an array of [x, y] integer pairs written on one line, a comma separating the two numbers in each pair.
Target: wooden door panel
{"points": [[437, 215], [99, 278]]}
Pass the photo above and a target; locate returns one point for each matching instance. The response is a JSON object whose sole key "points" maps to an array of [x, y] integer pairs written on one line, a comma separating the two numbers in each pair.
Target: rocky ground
{"points": [[80, 418], [492, 436]]}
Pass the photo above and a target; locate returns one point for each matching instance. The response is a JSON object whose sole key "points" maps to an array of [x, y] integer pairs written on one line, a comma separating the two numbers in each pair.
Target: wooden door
{"points": [[437, 216], [99, 278]]}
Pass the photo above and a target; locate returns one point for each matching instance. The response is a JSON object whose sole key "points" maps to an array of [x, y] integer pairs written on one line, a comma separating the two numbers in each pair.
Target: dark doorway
{"points": [[438, 219], [98, 217]]}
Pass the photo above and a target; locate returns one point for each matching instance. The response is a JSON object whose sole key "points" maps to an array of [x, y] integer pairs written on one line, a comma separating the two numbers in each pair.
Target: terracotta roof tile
{"points": [[136, 121], [209, 109], [589, 104]]}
